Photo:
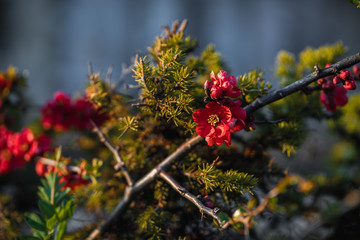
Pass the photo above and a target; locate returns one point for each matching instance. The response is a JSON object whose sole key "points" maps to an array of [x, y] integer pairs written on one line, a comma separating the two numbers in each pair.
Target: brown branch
{"points": [[186, 194], [120, 163], [131, 191], [300, 84]]}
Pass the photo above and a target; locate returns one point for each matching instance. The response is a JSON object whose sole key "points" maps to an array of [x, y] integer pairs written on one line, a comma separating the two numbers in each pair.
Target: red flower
{"points": [[58, 113], [213, 123], [238, 115], [61, 114], [85, 111], [222, 85], [333, 98], [356, 71], [44, 142], [15, 148]]}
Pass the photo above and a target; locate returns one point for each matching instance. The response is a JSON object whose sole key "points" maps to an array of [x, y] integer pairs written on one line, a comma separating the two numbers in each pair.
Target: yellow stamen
{"points": [[213, 119]]}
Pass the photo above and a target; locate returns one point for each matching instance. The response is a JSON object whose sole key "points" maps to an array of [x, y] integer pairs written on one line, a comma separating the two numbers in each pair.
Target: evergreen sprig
{"points": [[253, 85], [166, 88], [228, 181], [153, 223]]}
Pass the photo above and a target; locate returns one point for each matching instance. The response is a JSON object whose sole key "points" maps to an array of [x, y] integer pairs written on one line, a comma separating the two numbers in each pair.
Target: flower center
{"points": [[213, 119]]}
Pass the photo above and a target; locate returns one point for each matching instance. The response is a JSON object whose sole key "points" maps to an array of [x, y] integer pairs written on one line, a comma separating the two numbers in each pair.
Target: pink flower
{"points": [[222, 85], [213, 123]]}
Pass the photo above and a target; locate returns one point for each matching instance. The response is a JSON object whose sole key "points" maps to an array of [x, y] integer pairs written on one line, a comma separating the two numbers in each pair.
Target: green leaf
{"points": [[60, 196], [61, 229], [50, 223], [58, 153], [36, 221], [46, 208], [40, 234]]}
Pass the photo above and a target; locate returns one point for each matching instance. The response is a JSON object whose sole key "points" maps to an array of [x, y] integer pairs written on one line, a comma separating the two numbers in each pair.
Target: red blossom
{"points": [[15, 148], [57, 113], [332, 99], [213, 123], [356, 71], [332, 95], [222, 85], [61, 114], [238, 115], [85, 111]]}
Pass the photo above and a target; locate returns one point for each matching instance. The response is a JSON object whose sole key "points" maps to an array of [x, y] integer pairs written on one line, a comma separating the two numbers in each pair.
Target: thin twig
{"points": [[90, 68], [115, 152], [186, 194], [109, 74], [125, 71]]}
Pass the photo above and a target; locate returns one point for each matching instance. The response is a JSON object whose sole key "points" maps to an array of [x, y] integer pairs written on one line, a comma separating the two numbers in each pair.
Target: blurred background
{"points": [[55, 40]]}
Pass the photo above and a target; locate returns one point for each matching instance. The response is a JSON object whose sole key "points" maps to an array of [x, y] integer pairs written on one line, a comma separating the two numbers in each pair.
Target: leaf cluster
{"points": [[56, 208]]}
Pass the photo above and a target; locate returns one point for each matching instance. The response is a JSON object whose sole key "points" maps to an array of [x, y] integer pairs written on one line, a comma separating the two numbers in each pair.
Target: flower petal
{"points": [[205, 130], [201, 115]]}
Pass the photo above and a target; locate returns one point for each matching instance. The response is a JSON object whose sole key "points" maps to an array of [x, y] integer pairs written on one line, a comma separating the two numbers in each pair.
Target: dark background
{"points": [[55, 40]]}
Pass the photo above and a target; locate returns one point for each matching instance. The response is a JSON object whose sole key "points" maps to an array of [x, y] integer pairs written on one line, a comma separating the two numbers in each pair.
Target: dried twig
{"points": [[186, 194], [120, 163]]}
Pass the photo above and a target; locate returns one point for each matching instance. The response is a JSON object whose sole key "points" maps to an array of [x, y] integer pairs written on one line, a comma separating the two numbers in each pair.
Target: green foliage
{"points": [[153, 223], [212, 178], [167, 88], [290, 70], [253, 85], [10, 218], [349, 120], [56, 208], [321, 56], [356, 2]]}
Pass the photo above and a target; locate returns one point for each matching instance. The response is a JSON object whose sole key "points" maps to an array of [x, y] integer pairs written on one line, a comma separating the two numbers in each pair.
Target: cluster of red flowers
{"points": [[15, 148], [73, 178], [61, 113], [222, 115], [332, 95]]}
